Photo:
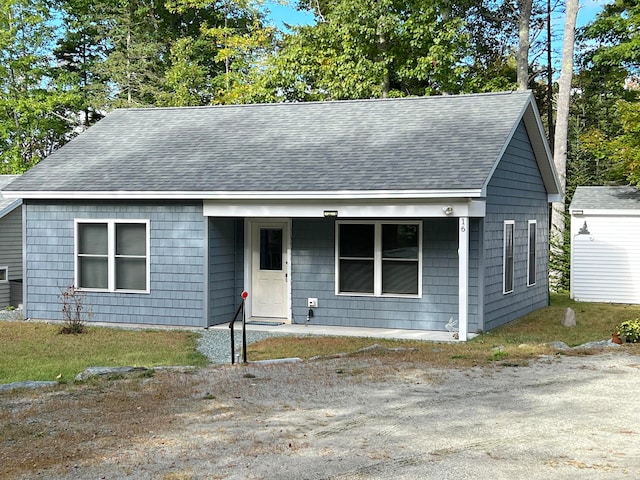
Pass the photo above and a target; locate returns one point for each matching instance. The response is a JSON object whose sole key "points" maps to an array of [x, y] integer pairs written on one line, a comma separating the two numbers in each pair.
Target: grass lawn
{"points": [[512, 344], [36, 351]]}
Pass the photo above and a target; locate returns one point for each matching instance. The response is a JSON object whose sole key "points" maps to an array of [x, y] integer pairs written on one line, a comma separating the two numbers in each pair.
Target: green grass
{"points": [[37, 351], [520, 341]]}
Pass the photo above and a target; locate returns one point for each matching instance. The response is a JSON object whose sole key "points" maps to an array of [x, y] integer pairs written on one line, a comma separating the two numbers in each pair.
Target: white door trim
{"points": [[248, 257]]}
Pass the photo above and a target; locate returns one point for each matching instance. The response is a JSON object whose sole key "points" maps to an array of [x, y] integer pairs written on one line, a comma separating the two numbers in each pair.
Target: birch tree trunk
{"points": [[562, 119], [524, 43]]}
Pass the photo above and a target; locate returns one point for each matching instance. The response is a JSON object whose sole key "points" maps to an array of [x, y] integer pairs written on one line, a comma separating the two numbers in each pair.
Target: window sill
{"points": [[103, 290], [371, 295]]}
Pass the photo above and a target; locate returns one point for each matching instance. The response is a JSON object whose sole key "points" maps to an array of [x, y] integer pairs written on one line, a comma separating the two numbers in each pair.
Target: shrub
{"points": [[630, 330], [73, 310]]}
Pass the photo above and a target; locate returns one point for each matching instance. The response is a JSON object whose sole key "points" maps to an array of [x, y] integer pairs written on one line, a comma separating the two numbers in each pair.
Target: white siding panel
{"points": [[605, 265]]}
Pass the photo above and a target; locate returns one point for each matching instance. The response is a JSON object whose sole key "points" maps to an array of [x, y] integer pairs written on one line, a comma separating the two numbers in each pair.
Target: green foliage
{"points": [[629, 330], [611, 69], [33, 118], [367, 48]]}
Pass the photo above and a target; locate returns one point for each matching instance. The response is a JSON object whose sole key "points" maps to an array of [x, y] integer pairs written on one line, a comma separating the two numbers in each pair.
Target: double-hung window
{"points": [[379, 258], [112, 255], [4, 274], [531, 262], [508, 257]]}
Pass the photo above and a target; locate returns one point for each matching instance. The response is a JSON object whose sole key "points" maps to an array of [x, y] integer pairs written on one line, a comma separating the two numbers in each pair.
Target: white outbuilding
{"points": [[605, 244]]}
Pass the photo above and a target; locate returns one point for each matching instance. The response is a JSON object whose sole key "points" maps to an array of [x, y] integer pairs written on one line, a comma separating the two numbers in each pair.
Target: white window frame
{"points": [[377, 259], [111, 253], [4, 278], [512, 223], [535, 254]]}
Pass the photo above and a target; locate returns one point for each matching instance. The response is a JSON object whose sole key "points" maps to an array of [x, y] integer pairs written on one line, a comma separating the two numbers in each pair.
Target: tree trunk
{"points": [[560, 143], [386, 81], [524, 20]]}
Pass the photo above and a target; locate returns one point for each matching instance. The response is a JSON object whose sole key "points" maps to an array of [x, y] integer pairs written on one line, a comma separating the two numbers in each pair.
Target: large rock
{"points": [[569, 319], [107, 372], [27, 384]]}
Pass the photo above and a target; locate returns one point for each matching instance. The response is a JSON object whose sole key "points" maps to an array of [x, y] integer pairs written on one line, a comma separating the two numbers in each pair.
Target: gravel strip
{"points": [[216, 343]]}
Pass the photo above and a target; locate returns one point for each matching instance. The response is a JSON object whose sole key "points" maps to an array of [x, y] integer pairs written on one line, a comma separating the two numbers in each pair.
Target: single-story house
{"points": [[10, 248], [605, 250], [399, 213]]}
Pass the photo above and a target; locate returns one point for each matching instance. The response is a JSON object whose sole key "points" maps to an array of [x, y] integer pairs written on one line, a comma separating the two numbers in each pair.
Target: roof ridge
{"points": [[325, 102]]}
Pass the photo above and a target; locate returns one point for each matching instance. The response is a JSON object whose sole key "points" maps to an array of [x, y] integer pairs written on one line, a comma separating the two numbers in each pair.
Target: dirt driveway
{"points": [[349, 418]]}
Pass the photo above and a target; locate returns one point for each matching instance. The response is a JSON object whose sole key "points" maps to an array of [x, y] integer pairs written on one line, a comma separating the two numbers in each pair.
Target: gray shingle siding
{"points": [[177, 241], [515, 192], [313, 275], [226, 274]]}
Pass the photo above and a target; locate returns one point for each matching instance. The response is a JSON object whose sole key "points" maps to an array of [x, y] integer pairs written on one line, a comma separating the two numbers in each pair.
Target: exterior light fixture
{"points": [[448, 210], [330, 213]]}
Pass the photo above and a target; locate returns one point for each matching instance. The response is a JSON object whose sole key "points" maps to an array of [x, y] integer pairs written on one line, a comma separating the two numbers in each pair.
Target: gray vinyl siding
{"points": [[177, 252], [313, 275], [226, 273], [11, 257], [515, 192]]}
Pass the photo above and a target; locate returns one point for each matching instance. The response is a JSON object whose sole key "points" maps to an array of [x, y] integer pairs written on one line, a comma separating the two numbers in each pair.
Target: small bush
{"points": [[629, 330], [73, 311]]}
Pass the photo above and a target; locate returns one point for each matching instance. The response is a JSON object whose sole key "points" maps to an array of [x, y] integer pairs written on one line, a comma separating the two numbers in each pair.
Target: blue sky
{"points": [[286, 13]]}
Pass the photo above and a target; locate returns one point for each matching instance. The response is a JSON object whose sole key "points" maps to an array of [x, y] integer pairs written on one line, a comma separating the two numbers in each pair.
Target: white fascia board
{"points": [[346, 209], [602, 212], [239, 195]]}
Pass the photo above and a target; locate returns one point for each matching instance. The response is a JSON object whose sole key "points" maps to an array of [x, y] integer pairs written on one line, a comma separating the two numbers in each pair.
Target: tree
{"points": [[613, 68], [79, 53], [33, 114], [368, 48], [562, 128]]}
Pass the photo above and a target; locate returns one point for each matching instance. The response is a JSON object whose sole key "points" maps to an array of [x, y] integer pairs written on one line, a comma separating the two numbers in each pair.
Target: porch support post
{"points": [[463, 278]]}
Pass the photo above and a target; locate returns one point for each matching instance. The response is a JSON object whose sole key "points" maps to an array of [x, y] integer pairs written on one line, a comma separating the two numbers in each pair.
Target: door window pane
{"points": [[270, 249]]}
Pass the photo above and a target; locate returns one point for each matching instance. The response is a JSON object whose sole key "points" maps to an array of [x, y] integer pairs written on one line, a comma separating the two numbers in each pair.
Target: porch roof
{"points": [[410, 147]]}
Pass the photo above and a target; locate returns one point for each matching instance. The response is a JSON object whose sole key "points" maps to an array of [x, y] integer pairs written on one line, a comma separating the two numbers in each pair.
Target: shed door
{"points": [[269, 269]]}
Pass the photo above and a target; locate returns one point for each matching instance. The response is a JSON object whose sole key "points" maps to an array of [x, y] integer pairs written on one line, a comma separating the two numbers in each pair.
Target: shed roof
{"points": [[606, 198], [421, 144], [7, 204]]}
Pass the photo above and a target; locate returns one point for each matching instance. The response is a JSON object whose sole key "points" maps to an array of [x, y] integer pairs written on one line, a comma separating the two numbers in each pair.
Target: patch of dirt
{"points": [[343, 418]]}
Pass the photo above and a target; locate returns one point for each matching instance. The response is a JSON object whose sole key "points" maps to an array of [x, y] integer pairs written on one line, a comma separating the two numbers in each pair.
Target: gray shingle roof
{"points": [[425, 143], [606, 198], [7, 204]]}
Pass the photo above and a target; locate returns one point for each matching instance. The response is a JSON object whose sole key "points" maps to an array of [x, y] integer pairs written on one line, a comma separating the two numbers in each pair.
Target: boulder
{"points": [[569, 318]]}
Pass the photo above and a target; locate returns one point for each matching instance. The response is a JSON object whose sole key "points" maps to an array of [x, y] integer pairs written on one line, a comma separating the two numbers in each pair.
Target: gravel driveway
{"points": [[376, 418]]}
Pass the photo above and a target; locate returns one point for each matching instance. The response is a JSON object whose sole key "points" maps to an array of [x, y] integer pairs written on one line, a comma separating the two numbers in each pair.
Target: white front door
{"points": [[269, 269]]}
